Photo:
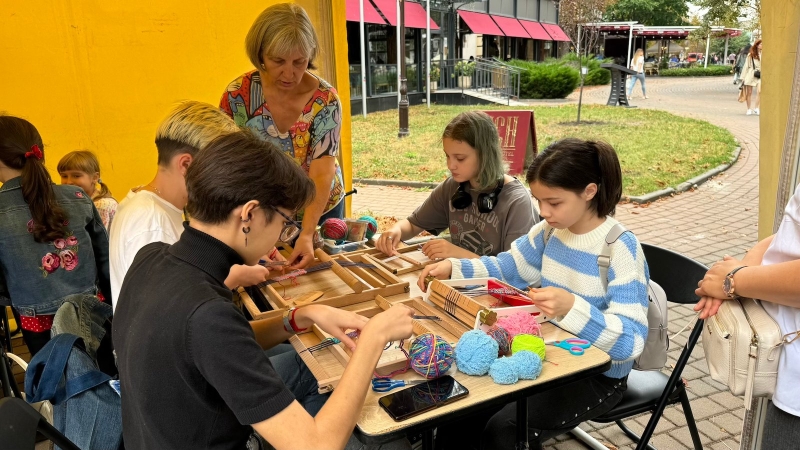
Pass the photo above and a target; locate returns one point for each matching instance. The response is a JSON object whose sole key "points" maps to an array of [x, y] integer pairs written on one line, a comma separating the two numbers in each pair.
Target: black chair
{"points": [[652, 390], [19, 423]]}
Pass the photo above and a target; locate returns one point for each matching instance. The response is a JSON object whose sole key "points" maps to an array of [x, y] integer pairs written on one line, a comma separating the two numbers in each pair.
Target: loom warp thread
{"points": [[431, 356]]}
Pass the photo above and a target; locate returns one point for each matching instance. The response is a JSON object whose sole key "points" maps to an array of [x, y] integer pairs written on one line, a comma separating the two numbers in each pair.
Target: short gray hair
{"points": [[477, 129], [278, 30]]}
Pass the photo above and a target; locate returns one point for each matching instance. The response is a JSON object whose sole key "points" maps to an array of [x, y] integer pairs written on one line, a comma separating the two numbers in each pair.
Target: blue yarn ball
{"points": [[528, 364], [475, 352], [504, 371], [372, 226]]}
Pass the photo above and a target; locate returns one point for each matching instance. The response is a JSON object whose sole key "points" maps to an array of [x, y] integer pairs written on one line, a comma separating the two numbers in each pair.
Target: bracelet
{"points": [[273, 253], [293, 324], [287, 324]]}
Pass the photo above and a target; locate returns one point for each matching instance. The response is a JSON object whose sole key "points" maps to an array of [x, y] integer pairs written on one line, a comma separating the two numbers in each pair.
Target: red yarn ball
{"points": [[334, 228], [503, 339]]}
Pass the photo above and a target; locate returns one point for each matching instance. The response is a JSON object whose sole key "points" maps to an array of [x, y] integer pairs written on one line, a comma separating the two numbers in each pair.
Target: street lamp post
{"points": [[403, 105]]}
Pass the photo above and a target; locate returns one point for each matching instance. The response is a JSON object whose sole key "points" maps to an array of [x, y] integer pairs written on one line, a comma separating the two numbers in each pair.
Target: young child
{"points": [[52, 241], [81, 168], [578, 185]]}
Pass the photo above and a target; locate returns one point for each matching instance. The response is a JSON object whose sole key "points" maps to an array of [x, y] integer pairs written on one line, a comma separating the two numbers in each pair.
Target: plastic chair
{"points": [[19, 423], [653, 390]]}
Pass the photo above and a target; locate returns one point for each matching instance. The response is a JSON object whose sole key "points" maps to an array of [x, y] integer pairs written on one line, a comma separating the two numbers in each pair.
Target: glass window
{"points": [[502, 7], [383, 79]]}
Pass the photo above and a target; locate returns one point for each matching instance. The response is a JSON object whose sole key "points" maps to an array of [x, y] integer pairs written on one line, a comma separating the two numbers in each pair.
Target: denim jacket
{"points": [[37, 277]]}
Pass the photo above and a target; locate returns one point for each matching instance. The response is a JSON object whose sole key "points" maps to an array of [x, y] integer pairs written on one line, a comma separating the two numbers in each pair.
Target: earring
{"points": [[263, 67], [246, 230]]}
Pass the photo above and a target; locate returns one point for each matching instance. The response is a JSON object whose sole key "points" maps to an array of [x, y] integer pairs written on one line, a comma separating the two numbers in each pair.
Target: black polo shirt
{"points": [[191, 372]]}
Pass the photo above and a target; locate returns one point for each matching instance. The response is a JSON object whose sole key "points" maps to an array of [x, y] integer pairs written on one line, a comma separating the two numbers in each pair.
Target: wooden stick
{"points": [[462, 301], [341, 272], [453, 326], [380, 269], [363, 273], [249, 304]]}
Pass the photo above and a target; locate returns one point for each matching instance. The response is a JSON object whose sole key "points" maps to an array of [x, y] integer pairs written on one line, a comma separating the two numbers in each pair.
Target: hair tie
{"points": [[100, 180], [35, 152]]}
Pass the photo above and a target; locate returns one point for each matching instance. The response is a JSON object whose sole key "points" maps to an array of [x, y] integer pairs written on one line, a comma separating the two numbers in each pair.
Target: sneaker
{"points": [[757, 112], [645, 97], [749, 112]]}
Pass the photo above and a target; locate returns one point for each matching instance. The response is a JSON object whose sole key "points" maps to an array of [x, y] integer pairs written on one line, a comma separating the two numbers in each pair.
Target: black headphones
{"points": [[486, 202]]}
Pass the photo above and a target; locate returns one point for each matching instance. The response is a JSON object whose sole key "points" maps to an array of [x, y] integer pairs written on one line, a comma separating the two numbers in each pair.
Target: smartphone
{"points": [[423, 397]]}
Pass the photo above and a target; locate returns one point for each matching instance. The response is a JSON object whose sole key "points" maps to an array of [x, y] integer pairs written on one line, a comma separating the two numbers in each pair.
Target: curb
{"points": [[399, 183], [688, 184]]}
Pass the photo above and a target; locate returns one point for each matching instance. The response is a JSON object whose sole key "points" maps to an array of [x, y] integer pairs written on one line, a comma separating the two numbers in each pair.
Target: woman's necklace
{"points": [[155, 189]]}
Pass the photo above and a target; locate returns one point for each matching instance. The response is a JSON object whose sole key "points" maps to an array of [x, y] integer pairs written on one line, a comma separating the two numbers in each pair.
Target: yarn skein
{"points": [[372, 225], [431, 356], [503, 339], [528, 342], [528, 365], [475, 352], [504, 371], [520, 323], [333, 228]]}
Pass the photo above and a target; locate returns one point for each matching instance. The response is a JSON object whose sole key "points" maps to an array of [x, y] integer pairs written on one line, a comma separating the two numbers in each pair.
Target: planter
{"points": [[464, 82], [434, 86]]}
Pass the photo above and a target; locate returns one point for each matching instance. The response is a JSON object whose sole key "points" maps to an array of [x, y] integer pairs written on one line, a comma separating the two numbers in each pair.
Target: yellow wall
{"points": [[101, 74], [780, 22]]}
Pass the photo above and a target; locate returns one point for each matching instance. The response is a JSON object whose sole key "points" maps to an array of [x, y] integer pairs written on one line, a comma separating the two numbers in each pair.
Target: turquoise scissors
{"points": [[387, 384], [575, 346]]}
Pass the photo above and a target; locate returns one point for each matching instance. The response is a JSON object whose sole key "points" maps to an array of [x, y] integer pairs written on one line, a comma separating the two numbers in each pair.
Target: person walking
{"points": [[751, 76], [637, 64]]}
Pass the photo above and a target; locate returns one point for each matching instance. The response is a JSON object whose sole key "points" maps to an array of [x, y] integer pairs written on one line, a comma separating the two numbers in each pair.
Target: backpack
{"points": [[86, 408], [654, 354]]}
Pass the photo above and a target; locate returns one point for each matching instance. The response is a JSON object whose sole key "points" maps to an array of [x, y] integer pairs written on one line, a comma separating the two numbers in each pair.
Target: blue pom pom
{"points": [[475, 352], [504, 371], [528, 364]]}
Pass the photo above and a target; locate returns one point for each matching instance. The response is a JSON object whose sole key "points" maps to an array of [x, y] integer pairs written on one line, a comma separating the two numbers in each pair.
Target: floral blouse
{"points": [[315, 134], [107, 207]]}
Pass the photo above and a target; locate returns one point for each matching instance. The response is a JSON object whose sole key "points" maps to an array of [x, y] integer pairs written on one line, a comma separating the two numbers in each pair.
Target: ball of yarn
{"points": [[503, 339], [504, 371], [475, 352], [528, 342], [333, 228], [520, 323], [431, 356], [372, 225], [528, 364]]}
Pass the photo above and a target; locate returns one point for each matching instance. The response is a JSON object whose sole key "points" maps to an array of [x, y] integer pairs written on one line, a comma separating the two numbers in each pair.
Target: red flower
{"points": [[31, 225], [72, 241], [79, 194], [50, 262], [60, 243], [69, 260]]}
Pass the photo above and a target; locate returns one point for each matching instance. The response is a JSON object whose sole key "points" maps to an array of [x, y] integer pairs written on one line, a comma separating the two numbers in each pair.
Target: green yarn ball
{"points": [[528, 342]]}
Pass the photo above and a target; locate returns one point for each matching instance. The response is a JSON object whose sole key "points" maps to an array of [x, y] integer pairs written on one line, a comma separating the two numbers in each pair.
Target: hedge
{"points": [[596, 75], [710, 71], [546, 80]]}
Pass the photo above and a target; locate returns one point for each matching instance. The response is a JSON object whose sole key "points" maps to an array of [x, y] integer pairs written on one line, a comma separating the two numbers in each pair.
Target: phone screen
{"points": [[423, 397]]}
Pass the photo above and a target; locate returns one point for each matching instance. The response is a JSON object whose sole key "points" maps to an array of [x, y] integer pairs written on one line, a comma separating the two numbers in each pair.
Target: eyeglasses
{"points": [[291, 228]]}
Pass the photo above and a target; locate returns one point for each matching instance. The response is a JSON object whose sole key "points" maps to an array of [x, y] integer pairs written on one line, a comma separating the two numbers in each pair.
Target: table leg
{"points": [[427, 439], [522, 424]]}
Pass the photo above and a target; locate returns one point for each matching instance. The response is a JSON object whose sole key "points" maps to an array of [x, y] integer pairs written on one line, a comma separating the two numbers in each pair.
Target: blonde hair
{"points": [[86, 162], [279, 30], [189, 128], [639, 52], [477, 129]]}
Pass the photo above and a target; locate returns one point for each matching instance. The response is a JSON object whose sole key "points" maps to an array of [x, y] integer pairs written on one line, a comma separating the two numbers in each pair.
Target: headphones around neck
{"points": [[486, 202]]}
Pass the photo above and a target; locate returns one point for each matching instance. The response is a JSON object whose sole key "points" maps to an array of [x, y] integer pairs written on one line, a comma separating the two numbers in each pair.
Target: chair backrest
{"points": [[677, 274], [19, 423]]}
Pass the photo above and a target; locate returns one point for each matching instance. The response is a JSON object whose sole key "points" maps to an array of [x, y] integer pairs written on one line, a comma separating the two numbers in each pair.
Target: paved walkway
{"points": [[719, 217]]}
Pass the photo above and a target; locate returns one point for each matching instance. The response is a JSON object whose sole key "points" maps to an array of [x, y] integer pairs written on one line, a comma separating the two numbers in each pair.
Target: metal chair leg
{"points": [[687, 411], [522, 424], [633, 436]]}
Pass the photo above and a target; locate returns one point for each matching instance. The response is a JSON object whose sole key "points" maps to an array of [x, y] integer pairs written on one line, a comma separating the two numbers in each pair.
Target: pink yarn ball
{"points": [[520, 323], [334, 228]]}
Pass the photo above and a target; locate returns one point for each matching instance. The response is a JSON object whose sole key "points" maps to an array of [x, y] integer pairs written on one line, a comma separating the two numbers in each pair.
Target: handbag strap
{"points": [[47, 368]]}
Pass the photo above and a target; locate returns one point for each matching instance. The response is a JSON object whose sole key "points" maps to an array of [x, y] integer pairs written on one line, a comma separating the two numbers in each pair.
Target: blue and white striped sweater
{"points": [[614, 321]]}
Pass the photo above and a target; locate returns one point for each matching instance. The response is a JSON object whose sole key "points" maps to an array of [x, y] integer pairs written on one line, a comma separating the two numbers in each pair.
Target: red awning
{"points": [[480, 23], [414, 13], [352, 13], [555, 32], [511, 27], [535, 30]]}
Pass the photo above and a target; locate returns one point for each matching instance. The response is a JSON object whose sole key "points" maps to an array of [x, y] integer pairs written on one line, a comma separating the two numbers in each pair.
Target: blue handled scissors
{"points": [[575, 346], [387, 384]]}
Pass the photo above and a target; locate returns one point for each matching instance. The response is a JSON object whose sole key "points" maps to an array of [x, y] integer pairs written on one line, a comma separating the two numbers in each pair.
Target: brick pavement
{"points": [[719, 217]]}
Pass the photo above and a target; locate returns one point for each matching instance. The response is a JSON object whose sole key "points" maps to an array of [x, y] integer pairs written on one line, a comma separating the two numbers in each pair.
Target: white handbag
{"points": [[742, 343]]}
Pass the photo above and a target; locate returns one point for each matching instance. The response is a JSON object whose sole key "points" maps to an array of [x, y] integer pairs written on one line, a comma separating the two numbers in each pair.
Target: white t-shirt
{"points": [[142, 218], [786, 247]]}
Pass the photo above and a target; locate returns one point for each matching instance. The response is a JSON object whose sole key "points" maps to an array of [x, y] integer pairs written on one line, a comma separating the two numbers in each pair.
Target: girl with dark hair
{"points": [[578, 185], [81, 168], [52, 241], [484, 208]]}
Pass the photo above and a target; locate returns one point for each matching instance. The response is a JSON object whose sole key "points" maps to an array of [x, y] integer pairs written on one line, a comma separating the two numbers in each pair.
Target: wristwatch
{"points": [[728, 286]]}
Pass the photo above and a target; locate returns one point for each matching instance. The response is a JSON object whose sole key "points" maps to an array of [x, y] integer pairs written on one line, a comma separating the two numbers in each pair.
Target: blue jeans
{"points": [[337, 212], [640, 77]]}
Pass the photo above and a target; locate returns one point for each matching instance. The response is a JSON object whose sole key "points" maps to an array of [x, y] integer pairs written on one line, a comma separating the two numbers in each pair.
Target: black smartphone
{"points": [[423, 397]]}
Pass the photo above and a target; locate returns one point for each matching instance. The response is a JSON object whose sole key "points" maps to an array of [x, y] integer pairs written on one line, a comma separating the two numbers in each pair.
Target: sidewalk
{"points": [[719, 217]]}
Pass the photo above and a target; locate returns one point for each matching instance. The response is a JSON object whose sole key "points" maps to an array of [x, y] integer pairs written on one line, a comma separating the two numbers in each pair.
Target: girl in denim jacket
{"points": [[52, 241]]}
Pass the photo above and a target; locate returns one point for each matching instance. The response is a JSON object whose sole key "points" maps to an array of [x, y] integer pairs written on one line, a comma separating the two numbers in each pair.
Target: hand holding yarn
{"points": [[555, 302]]}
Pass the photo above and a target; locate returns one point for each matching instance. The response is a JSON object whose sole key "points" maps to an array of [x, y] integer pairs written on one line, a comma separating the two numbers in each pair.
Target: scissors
{"points": [[575, 346], [387, 384]]}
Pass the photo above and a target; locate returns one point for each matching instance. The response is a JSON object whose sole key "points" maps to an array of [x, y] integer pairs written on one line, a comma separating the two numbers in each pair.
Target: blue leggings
{"points": [[640, 77]]}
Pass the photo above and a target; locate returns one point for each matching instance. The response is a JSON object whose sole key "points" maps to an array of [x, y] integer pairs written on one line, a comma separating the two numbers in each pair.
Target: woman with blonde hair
{"points": [[752, 78], [284, 103], [637, 64], [81, 168]]}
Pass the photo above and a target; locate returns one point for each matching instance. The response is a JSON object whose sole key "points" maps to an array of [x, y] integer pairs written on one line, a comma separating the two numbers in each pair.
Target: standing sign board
{"points": [[517, 132]]}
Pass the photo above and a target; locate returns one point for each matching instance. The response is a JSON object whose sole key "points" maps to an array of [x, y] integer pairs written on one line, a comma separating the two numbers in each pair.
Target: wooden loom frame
{"points": [[415, 264], [328, 364]]}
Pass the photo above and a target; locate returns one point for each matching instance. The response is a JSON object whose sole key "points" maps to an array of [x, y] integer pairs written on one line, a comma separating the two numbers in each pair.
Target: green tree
{"points": [[734, 44], [650, 12], [731, 13]]}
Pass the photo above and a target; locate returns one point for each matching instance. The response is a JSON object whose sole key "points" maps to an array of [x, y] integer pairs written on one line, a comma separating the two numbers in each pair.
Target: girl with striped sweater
{"points": [[577, 185]]}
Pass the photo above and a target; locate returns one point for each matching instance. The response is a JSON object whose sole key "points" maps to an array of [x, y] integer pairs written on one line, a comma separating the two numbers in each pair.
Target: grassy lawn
{"points": [[656, 149]]}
